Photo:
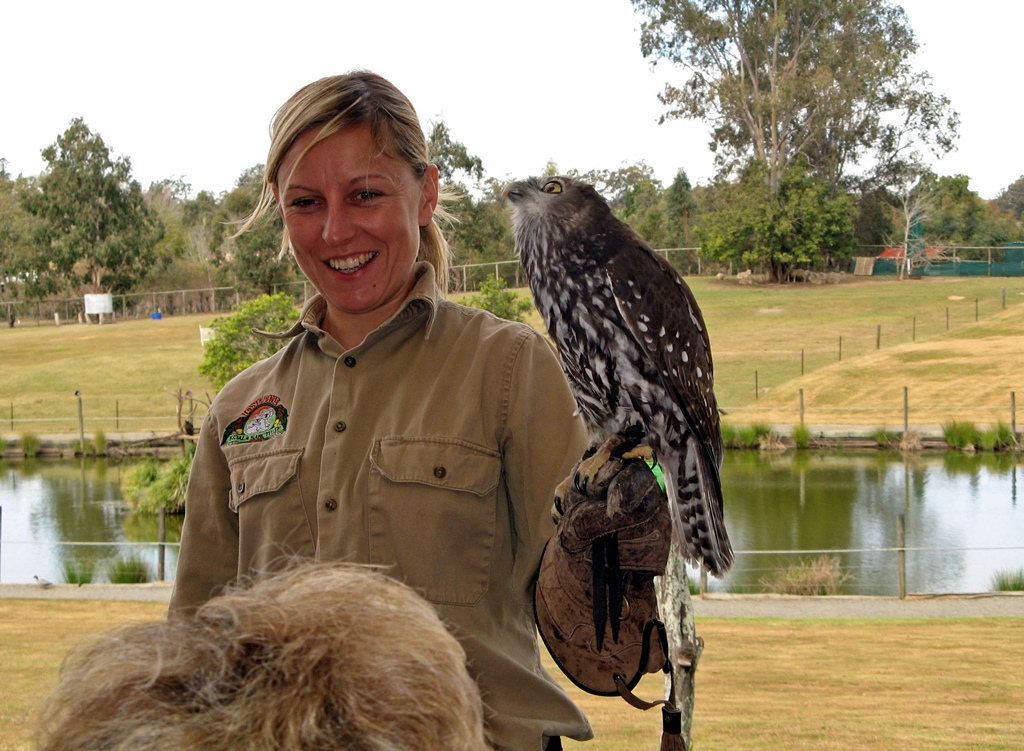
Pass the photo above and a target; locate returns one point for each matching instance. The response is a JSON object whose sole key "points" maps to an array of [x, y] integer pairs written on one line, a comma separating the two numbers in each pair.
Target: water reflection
{"points": [[48, 502], [957, 506]]}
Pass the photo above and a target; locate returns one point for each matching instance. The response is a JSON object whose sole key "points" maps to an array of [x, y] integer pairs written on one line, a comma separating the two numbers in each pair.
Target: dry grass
{"points": [[762, 684], [120, 368], [34, 637], [764, 329]]}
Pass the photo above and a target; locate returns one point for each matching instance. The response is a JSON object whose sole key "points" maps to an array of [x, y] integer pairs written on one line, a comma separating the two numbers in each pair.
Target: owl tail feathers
{"points": [[698, 521]]}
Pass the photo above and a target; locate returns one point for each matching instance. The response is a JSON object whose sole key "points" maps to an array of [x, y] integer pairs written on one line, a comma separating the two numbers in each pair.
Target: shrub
{"points": [[822, 576], [886, 438], [496, 298], [960, 434], [731, 437], [151, 485], [235, 347], [83, 449], [802, 436], [1008, 581], [100, 443], [30, 445], [79, 572], [129, 569], [999, 438]]}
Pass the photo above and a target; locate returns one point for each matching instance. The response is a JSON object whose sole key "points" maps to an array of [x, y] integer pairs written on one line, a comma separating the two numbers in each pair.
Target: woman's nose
{"points": [[338, 226]]}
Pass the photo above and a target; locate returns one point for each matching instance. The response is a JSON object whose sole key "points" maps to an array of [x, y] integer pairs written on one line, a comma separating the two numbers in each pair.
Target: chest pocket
{"points": [[273, 525], [432, 511], [255, 474]]}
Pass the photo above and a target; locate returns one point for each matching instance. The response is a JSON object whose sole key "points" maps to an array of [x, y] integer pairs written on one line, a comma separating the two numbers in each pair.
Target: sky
{"points": [[187, 89]]}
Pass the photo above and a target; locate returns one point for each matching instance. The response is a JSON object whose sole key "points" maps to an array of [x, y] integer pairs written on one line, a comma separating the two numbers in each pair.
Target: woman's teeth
{"points": [[351, 263]]}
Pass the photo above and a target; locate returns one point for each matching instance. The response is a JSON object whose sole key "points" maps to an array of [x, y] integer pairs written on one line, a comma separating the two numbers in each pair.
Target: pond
{"points": [[55, 513], [962, 519]]}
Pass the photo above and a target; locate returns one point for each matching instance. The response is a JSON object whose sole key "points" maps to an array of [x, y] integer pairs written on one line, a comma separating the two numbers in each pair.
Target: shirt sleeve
{"points": [[544, 441], [208, 557]]}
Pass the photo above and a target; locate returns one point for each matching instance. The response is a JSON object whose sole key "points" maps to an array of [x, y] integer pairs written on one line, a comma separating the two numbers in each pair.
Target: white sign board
{"points": [[99, 304]]}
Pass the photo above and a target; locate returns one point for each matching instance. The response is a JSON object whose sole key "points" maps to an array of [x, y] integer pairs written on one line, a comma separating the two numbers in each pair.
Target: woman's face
{"points": [[353, 217]]}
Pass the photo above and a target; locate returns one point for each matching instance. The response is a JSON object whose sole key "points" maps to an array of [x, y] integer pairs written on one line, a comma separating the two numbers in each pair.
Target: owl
{"points": [[632, 342]]}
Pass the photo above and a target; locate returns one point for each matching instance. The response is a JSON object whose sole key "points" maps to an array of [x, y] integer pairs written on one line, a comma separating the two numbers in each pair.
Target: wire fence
{"points": [[17, 418], [872, 571]]}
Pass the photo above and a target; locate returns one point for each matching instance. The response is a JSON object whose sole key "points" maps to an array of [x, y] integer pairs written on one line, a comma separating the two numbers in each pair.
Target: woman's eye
{"points": [[367, 195]]}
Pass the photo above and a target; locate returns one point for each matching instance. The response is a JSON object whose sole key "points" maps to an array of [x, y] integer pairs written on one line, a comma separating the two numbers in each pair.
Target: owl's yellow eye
{"points": [[552, 186]]}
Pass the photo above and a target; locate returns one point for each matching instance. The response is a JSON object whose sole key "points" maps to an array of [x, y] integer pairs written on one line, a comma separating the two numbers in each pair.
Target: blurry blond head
{"points": [[319, 657]]}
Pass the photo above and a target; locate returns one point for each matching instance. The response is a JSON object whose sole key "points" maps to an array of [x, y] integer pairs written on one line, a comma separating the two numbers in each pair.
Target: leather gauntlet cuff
{"points": [[595, 603]]}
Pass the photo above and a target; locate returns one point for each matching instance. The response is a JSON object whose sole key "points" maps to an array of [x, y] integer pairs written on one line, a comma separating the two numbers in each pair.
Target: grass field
{"points": [[913, 685], [956, 344]]}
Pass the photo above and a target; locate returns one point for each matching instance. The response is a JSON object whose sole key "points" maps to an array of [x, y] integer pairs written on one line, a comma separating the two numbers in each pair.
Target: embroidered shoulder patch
{"points": [[264, 418]]}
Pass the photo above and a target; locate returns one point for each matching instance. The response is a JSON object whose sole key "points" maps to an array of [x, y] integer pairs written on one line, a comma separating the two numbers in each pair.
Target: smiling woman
{"points": [[368, 458], [352, 215]]}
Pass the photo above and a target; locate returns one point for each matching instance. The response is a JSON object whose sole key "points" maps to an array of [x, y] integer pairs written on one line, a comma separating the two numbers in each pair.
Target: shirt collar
{"points": [[424, 295]]}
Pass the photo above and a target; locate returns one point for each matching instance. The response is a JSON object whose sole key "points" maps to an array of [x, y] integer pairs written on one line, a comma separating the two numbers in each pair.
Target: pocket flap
{"points": [[438, 462], [262, 472]]}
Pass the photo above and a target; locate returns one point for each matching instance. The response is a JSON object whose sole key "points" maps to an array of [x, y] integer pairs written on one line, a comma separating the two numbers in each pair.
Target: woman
{"points": [[395, 428]]}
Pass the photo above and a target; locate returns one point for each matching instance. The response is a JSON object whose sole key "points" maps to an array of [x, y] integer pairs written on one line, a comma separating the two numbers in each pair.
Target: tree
{"points": [[915, 204], [451, 156], [498, 299], [255, 258], [799, 225], [644, 210], [1011, 198], [961, 217], [17, 228], [680, 211], [235, 346], [481, 231], [828, 82], [95, 228]]}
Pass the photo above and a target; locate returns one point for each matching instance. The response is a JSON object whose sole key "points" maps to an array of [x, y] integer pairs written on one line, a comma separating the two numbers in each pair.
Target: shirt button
{"points": [[340, 426], [440, 472], [350, 361], [330, 504], [241, 488]]}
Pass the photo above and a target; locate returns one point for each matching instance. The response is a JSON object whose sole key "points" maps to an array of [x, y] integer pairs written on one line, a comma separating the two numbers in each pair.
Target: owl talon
{"points": [[643, 451]]}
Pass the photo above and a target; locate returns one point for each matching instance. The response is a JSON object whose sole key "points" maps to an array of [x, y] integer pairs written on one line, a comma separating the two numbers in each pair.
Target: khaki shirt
{"points": [[432, 449]]}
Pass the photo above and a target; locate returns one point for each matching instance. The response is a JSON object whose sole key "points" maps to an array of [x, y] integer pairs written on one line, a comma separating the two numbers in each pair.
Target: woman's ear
{"points": [[430, 193]]}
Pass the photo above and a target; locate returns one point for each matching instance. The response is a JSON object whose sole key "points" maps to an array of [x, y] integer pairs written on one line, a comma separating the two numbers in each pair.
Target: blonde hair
{"points": [[324, 657], [338, 102]]}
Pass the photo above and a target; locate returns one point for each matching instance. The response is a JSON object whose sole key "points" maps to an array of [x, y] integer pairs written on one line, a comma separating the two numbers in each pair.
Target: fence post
{"points": [[801, 362], [801, 406], [756, 389], [906, 411], [1013, 414], [913, 331], [901, 554], [161, 536], [840, 349], [878, 337], [81, 424]]}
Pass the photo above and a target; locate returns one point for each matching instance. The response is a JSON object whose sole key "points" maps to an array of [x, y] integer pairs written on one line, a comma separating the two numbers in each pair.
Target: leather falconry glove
{"points": [[595, 603]]}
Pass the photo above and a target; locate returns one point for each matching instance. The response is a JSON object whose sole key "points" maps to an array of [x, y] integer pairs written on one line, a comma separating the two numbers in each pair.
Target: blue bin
{"points": [[157, 316]]}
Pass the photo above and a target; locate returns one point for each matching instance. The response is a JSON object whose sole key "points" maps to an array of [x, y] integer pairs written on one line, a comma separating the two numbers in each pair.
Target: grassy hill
{"points": [[957, 344]]}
